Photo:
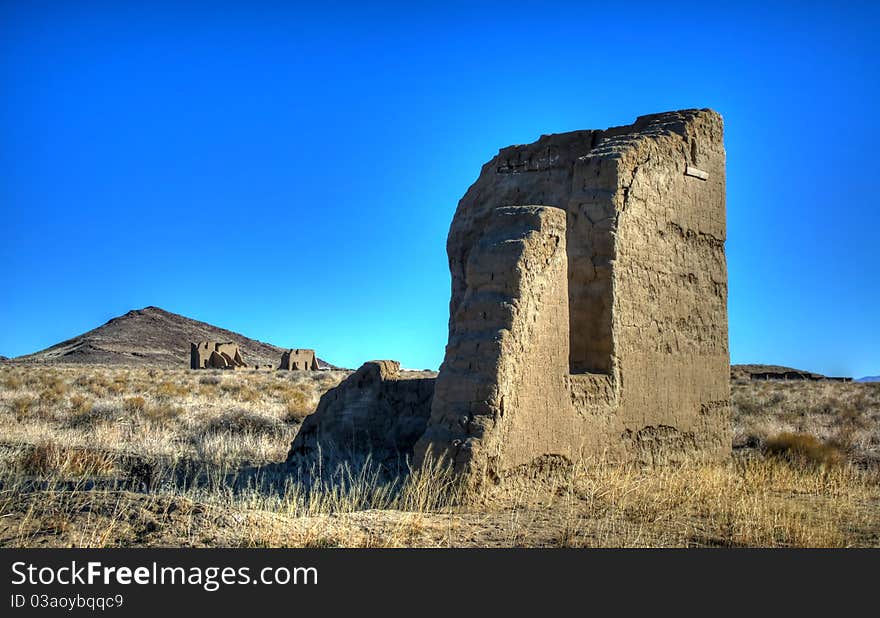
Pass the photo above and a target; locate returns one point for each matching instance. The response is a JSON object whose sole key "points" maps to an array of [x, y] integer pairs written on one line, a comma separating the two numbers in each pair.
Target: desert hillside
{"points": [[745, 371], [150, 336]]}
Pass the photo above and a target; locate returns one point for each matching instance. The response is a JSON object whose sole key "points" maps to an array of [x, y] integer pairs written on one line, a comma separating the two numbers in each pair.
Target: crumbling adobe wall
{"points": [[508, 346], [647, 358], [377, 412], [299, 360], [670, 274], [213, 355], [588, 314]]}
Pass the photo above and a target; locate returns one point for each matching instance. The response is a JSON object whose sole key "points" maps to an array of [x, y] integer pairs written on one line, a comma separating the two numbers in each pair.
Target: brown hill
{"points": [[150, 336], [747, 370]]}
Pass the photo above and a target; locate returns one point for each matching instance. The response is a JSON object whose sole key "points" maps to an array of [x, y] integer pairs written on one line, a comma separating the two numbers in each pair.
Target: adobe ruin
{"points": [[296, 359], [379, 411], [797, 375], [589, 303], [214, 355]]}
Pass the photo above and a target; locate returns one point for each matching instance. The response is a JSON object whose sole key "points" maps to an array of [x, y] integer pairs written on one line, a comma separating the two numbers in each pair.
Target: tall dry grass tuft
{"points": [[803, 448], [52, 461]]}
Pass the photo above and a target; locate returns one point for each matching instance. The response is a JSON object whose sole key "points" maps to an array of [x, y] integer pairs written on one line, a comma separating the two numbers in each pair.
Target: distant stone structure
{"points": [[588, 315], [214, 355], [796, 375], [783, 375], [299, 360]]}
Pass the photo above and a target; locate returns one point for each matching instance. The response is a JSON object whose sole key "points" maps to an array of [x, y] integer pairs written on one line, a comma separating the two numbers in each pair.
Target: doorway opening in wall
{"points": [[590, 293]]}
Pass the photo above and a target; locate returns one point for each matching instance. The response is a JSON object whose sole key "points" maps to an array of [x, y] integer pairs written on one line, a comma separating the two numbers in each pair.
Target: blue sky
{"points": [[290, 172]]}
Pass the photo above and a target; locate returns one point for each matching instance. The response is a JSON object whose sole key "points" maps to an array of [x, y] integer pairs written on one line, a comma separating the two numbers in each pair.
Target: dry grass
{"points": [[840, 416], [749, 501], [155, 412], [803, 448], [106, 457], [49, 460]]}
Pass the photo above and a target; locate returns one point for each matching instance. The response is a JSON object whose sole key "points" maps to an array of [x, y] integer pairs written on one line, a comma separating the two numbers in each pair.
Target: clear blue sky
{"points": [[290, 172]]}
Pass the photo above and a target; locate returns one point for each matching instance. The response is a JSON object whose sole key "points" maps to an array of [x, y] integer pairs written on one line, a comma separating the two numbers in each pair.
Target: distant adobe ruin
{"points": [[589, 303], [214, 355], [299, 360], [797, 375]]}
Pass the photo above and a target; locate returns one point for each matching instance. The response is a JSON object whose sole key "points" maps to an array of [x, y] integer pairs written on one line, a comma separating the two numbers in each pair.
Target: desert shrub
{"points": [[231, 388], [56, 386], [297, 407], [248, 395], [21, 406], [168, 390], [330, 380], [210, 380], [80, 404], [40, 459], [852, 415], [99, 413], [49, 458], [802, 448], [135, 404], [747, 439], [825, 406], [775, 399], [241, 421], [33, 379], [49, 398], [161, 413], [747, 403], [97, 390], [275, 387], [12, 382], [206, 392]]}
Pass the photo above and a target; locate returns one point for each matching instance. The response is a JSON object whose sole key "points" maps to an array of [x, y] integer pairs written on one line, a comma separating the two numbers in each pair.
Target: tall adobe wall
{"points": [[615, 342], [508, 346]]}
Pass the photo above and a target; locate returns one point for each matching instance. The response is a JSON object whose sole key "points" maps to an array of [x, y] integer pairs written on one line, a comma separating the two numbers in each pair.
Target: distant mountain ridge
{"points": [[746, 371], [749, 369], [154, 337]]}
